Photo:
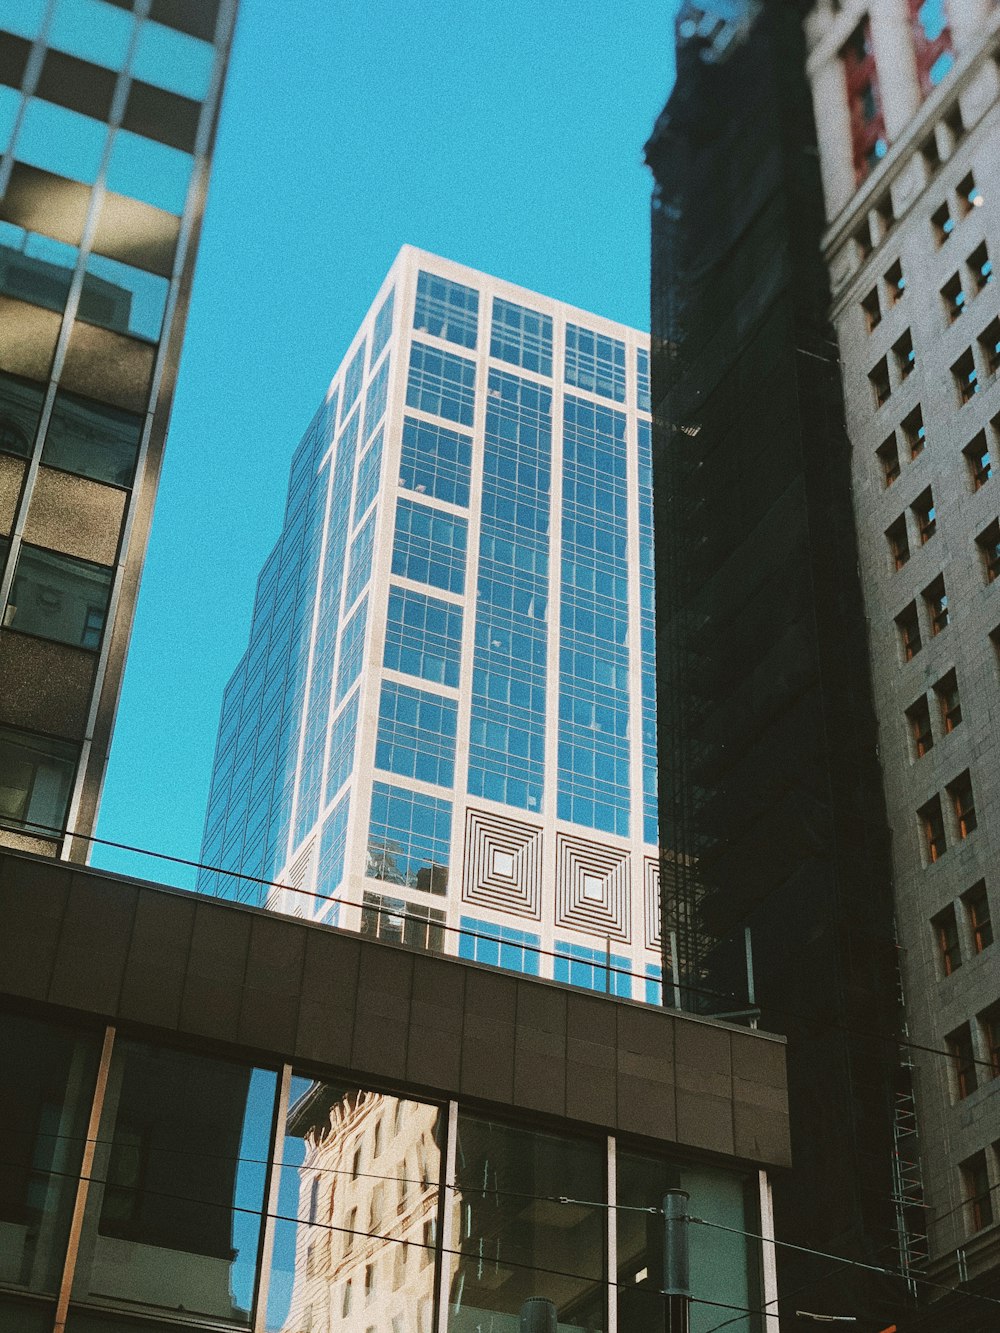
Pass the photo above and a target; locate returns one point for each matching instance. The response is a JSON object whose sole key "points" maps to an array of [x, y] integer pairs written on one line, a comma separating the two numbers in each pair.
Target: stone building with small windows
{"points": [[907, 100], [108, 111]]}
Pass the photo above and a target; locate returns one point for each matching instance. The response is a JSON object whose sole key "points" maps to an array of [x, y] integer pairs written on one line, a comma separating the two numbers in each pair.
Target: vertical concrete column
{"points": [[896, 63], [968, 20], [833, 132]]}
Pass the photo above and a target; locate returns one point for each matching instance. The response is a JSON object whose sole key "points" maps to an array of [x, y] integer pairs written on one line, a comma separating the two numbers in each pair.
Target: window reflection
{"points": [[724, 1266], [92, 439], [20, 407], [36, 777], [122, 298], [508, 1228], [35, 268], [358, 1201], [173, 60], [92, 31], [22, 16], [175, 1220], [46, 1082], [59, 597], [152, 172], [10, 104], [61, 141]]}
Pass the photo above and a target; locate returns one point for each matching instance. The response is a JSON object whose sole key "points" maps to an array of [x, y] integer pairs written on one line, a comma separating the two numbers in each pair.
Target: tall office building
{"points": [[108, 111], [770, 788], [442, 729], [908, 140]]}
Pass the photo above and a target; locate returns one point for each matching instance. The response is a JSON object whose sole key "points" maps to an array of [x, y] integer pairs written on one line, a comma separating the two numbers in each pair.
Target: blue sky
{"points": [[504, 135]]}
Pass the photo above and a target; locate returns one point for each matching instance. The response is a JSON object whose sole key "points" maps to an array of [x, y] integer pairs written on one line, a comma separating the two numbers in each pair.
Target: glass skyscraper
{"points": [[442, 730]]}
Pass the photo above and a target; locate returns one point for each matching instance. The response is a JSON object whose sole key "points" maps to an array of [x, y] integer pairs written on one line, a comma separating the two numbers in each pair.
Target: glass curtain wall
{"points": [[217, 1195]]}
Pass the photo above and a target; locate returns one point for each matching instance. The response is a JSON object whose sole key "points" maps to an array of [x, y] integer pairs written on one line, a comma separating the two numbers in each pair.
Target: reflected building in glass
{"points": [[442, 730], [108, 111]]}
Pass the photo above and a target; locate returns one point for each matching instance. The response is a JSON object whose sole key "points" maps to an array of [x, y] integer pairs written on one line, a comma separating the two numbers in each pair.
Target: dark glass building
{"points": [[772, 812], [108, 110]]}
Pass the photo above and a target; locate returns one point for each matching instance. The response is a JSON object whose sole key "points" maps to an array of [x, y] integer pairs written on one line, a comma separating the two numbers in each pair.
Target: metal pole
{"points": [[539, 1316], [676, 1261]]}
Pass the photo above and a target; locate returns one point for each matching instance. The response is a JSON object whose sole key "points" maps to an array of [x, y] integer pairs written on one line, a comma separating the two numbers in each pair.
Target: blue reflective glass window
{"points": [[382, 330], [352, 646], [360, 568], [521, 336], [579, 966], [499, 946], [416, 734], [10, 105], [375, 397], [933, 19], [93, 31], [409, 838], [353, 379], [595, 362], [643, 399], [23, 17], [35, 268], [369, 473], [654, 984], [120, 297], [342, 737], [173, 60], [61, 141], [152, 172], [941, 68], [423, 636], [333, 847], [446, 310], [429, 546], [435, 461], [441, 384]]}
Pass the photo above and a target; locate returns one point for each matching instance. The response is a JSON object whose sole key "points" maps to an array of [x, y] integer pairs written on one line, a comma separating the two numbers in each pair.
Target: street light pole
{"points": [[676, 1261]]}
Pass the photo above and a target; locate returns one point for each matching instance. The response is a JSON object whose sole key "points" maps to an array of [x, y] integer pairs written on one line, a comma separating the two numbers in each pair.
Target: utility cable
{"points": [[537, 951]]}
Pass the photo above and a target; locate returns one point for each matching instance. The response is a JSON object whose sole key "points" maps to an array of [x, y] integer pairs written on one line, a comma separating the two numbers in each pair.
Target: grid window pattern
{"points": [[446, 310], [416, 734], [429, 547], [647, 640], [396, 921], [352, 379], [383, 326], [441, 384], [333, 847], [423, 636], [352, 648], [360, 568], [376, 396], [577, 965], [369, 475], [499, 946], [435, 461], [595, 362], [409, 835], [593, 779], [521, 336], [507, 729], [644, 399], [343, 735]]}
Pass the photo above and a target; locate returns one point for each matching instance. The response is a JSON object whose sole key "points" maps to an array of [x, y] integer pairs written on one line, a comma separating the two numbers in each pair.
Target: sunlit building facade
{"points": [[108, 111], [442, 729]]}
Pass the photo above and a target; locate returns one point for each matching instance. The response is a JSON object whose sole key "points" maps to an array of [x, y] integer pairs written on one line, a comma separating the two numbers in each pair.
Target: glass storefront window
{"points": [[354, 1243], [725, 1268], [59, 597], [174, 1214], [47, 1078], [511, 1233], [90, 439]]}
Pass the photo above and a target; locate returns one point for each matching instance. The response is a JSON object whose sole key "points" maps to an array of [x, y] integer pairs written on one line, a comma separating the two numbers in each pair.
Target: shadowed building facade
{"points": [[108, 112]]}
